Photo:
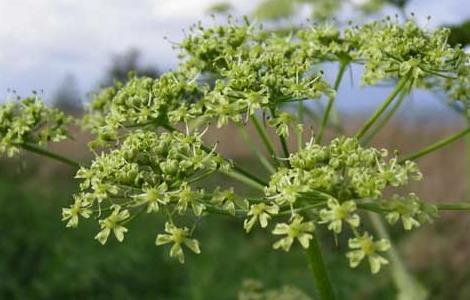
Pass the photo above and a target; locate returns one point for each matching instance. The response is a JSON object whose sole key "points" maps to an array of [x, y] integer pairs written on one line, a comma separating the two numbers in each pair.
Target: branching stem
{"points": [[284, 146], [385, 119], [318, 268], [368, 124], [263, 160], [331, 100], [264, 137], [44, 152], [437, 145]]}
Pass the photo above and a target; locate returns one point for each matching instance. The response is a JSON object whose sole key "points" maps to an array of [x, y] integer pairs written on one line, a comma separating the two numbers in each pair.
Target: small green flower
{"points": [[29, 120], [281, 123], [186, 197], [228, 200], [284, 187], [337, 213], [261, 212], [87, 176], [302, 231], [366, 246], [101, 190], [177, 236], [78, 208], [407, 208], [255, 100], [112, 223], [154, 197]]}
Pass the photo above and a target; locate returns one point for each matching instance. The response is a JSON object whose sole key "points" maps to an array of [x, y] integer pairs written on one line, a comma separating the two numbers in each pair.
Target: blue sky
{"points": [[43, 40]]}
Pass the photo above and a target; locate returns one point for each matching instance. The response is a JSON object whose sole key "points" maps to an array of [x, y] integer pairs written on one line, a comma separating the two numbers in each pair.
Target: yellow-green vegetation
{"points": [[150, 157]]}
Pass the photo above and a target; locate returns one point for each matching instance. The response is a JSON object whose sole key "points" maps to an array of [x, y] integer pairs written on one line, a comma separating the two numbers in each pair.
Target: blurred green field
{"points": [[41, 259]]}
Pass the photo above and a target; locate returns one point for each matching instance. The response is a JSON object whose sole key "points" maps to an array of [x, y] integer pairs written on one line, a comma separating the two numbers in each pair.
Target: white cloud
{"points": [[54, 37], [186, 9]]}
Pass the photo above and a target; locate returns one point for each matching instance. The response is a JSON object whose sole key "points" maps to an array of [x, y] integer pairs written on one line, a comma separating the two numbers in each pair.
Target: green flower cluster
{"points": [[141, 101], [247, 71], [149, 172], [328, 43], [231, 74], [252, 70], [458, 87], [387, 49], [29, 121], [392, 50], [327, 185], [227, 73], [343, 169], [410, 209]]}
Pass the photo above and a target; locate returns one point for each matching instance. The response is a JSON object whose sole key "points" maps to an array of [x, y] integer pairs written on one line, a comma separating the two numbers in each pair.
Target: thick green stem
{"points": [[282, 139], [331, 100], [314, 117], [44, 152], [264, 137], [464, 112], [241, 175], [452, 206], [265, 162], [285, 149], [408, 287], [385, 119], [318, 268], [401, 84], [456, 206], [436, 146]]}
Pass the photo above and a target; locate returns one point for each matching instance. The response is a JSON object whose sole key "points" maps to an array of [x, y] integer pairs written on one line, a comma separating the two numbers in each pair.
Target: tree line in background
{"points": [[67, 97]]}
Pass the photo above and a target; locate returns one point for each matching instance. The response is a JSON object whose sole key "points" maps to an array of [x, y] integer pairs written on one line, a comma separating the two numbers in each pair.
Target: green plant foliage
{"points": [[29, 120], [254, 290], [256, 70], [329, 183], [144, 163]]}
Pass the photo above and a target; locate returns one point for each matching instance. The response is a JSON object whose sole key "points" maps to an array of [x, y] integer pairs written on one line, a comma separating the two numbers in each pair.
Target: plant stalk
{"points": [[408, 287], [263, 160], [282, 139], [244, 176], [436, 146], [44, 152], [385, 119], [451, 206], [331, 100], [456, 206], [264, 137], [401, 84], [318, 268]]}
